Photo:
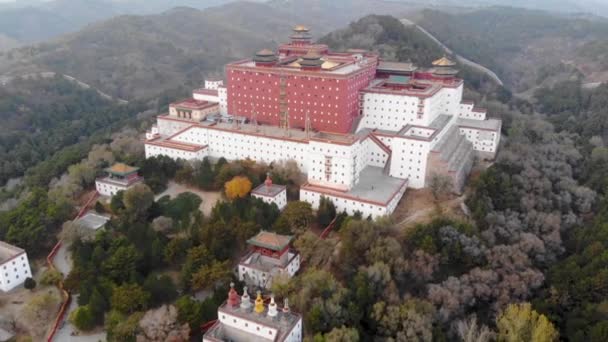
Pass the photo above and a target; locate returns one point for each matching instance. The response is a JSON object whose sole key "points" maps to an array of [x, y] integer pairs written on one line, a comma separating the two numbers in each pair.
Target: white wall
{"points": [[389, 112], [14, 272], [154, 150], [248, 326], [280, 199], [344, 204], [482, 140], [168, 127], [392, 111], [409, 159], [264, 279], [222, 94]]}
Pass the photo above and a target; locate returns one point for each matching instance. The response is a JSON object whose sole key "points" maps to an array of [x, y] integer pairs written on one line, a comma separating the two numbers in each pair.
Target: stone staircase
{"points": [[452, 156]]}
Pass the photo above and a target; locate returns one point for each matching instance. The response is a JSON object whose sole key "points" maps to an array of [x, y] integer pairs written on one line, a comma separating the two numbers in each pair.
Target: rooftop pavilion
{"points": [[121, 170], [271, 241], [8, 252], [121, 174]]}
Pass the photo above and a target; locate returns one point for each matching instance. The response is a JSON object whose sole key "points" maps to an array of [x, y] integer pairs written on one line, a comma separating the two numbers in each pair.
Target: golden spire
{"points": [[444, 62], [259, 303]]}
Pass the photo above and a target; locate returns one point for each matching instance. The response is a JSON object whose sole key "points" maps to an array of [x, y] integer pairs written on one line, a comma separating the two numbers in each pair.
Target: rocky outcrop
{"points": [[161, 325]]}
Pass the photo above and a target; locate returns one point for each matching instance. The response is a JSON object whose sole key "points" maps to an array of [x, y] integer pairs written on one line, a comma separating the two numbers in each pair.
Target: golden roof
{"points": [[311, 54], [265, 52], [326, 64], [444, 61], [270, 240], [121, 168], [300, 28]]}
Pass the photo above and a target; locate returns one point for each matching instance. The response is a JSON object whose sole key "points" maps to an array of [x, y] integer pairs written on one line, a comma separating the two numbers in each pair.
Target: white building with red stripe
{"points": [[412, 124]]}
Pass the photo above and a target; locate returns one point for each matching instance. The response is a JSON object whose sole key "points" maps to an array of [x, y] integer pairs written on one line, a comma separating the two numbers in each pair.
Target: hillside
{"points": [[518, 44], [37, 21], [142, 56], [41, 116], [388, 36]]}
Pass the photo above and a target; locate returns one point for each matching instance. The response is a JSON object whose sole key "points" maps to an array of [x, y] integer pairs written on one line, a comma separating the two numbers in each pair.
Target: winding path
{"points": [[461, 59], [48, 74], [60, 260]]}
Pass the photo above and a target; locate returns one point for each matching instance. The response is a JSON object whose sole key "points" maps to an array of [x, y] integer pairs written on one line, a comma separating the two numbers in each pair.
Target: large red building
{"points": [[302, 79]]}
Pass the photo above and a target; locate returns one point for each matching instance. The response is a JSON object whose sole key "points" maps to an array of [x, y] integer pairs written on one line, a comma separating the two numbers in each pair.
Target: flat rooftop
{"points": [[487, 124], [245, 128], [93, 221], [411, 87], [373, 186], [269, 190], [8, 251], [396, 67], [333, 64], [193, 104]]}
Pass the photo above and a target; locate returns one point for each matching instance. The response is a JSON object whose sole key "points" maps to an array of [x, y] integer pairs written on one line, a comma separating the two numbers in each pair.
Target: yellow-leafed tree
{"points": [[519, 322], [237, 187]]}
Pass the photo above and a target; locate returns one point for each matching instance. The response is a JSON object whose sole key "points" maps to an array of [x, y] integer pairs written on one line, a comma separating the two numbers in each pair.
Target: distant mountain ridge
{"points": [[41, 20], [522, 46], [140, 56]]}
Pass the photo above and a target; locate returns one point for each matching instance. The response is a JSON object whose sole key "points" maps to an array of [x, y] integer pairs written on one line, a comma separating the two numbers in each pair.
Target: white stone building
{"points": [[412, 125], [14, 266], [242, 320], [271, 193], [271, 255]]}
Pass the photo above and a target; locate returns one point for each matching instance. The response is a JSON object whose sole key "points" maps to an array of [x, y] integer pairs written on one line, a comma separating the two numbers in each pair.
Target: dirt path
{"points": [[419, 206], [210, 198]]}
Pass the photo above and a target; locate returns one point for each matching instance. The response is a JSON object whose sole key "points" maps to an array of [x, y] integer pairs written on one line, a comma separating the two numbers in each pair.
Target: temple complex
{"points": [[242, 320], [362, 129], [270, 255], [119, 177]]}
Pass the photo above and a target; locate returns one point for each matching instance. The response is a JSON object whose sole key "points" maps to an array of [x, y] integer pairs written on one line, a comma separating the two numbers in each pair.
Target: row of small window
{"points": [[336, 201], [397, 111], [408, 176], [26, 273], [396, 102], [14, 269], [270, 332], [15, 262]]}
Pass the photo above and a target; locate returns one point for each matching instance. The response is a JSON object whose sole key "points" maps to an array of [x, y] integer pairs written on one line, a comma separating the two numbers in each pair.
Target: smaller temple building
{"points": [[118, 177], [271, 193], [242, 320], [271, 255], [14, 266]]}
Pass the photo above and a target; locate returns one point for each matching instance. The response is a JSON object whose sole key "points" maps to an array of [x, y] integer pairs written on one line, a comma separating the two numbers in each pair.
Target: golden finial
{"points": [[259, 303]]}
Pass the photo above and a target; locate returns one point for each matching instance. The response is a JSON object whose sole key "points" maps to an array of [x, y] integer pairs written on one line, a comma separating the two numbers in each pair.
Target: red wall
{"points": [[330, 110]]}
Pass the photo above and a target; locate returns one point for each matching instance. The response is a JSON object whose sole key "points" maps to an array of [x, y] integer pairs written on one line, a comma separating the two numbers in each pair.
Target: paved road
{"points": [[461, 59], [63, 263], [65, 333]]}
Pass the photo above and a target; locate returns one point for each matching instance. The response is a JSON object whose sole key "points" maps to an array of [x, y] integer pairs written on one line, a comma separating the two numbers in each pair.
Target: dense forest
{"points": [[42, 116]]}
